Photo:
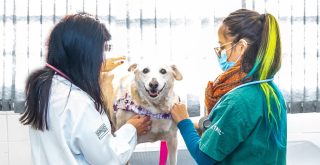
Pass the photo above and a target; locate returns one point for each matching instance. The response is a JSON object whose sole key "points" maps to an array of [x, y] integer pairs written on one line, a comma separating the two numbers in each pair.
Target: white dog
{"points": [[150, 92]]}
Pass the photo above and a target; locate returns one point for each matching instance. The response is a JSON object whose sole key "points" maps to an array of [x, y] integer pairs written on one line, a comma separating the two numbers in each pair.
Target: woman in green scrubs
{"points": [[248, 124]]}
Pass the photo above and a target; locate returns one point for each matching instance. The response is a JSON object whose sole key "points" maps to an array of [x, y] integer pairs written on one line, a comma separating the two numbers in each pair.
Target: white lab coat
{"points": [[77, 133]]}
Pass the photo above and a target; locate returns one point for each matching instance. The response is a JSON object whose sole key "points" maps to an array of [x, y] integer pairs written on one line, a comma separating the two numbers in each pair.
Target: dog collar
{"points": [[127, 104]]}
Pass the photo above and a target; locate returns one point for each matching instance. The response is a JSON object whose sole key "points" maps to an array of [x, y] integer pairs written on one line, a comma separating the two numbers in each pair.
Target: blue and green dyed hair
{"points": [[261, 61]]}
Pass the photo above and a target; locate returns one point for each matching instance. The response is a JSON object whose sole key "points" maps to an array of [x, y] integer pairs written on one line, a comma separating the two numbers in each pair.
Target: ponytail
{"points": [[262, 60], [268, 61], [37, 97], [267, 64]]}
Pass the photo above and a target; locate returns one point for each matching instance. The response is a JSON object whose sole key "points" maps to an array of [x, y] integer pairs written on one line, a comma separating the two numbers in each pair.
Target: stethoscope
{"points": [[205, 122]]}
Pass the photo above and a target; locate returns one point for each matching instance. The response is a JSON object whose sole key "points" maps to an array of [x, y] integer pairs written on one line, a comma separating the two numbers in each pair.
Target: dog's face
{"points": [[155, 81]]}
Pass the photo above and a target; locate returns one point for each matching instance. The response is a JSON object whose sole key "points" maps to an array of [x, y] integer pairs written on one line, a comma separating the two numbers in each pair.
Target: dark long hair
{"points": [[262, 60], [75, 47]]}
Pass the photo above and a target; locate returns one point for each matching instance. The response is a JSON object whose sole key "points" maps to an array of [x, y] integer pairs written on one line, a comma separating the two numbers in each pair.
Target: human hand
{"points": [[111, 63], [142, 124], [179, 112]]}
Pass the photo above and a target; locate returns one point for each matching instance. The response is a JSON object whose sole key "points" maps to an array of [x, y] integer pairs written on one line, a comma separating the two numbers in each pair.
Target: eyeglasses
{"points": [[219, 49], [107, 47]]}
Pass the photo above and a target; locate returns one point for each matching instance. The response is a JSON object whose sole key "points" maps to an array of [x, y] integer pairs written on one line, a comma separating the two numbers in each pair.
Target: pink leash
{"points": [[163, 153]]}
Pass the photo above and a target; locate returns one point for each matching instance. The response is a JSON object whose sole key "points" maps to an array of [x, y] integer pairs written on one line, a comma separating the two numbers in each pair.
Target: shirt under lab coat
{"points": [[78, 133]]}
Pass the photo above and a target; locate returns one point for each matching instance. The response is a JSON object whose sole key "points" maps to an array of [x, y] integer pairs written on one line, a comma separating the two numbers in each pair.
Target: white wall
{"points": [[14, 140]]}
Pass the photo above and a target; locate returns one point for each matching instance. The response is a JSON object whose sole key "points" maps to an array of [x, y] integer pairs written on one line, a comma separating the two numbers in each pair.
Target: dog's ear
{"points": [[176, 73], [132, 67]]}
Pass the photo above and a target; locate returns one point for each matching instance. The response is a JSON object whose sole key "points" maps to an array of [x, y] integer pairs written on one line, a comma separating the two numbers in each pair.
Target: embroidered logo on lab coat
{"points": [[102, 131]]}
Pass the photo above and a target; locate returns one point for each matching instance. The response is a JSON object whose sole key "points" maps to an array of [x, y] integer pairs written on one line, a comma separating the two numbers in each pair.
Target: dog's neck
{"points": [[127, 104]]}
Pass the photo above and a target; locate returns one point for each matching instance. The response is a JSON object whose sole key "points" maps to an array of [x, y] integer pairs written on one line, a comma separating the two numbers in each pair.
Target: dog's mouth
{"points": [[154, 92]]}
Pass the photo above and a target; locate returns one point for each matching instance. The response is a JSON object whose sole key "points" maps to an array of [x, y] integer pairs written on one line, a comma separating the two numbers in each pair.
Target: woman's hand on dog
{"points": [[111, 63], [179, 112], [142, 124]]}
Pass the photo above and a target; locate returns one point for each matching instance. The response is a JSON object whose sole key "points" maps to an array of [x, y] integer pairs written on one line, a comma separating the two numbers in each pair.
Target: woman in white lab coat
{"points": [[64, 103]]}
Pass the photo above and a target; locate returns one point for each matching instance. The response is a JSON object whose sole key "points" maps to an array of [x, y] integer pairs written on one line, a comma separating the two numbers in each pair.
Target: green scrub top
{"points": [[238, 133]]}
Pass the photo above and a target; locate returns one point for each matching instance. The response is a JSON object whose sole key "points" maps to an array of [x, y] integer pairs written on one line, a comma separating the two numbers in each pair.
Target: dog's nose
{"points": [[153, 84]]}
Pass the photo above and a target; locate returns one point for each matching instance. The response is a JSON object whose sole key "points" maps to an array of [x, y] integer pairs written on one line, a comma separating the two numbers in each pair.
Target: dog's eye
{"points": [[145, 70], [163, 71]]}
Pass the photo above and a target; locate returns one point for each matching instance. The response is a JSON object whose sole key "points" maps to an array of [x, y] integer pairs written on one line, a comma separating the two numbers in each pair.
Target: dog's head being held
{"points": [[156, 80]]}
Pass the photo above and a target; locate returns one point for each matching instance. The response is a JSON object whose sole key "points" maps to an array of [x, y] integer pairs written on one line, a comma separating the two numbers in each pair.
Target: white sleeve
{"points": [[91, 136]]}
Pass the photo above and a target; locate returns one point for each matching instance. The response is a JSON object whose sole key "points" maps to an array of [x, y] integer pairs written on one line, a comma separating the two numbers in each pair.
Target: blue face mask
{"points": [[223, 61]]}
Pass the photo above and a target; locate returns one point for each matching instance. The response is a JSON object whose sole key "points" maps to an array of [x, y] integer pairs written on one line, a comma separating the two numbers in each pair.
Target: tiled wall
{"points": [[14, 140], [15, 145]]}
